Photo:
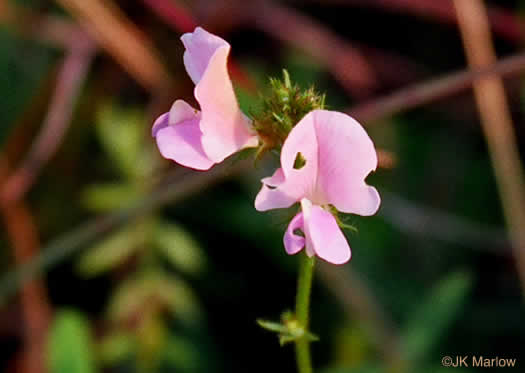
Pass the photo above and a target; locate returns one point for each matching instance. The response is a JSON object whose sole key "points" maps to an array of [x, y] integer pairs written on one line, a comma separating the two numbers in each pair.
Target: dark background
{"points": [[432, 273]]}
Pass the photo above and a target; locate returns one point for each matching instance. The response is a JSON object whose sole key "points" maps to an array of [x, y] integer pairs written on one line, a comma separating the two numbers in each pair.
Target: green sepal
{"points": [[289, 329], [271, 326], [339, 220], [282, 109]]}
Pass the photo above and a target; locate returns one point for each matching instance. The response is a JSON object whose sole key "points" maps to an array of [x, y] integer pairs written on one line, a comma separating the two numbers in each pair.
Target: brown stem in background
{"points": [[433, 90], [22, 232], [69, 81], [496, 124], [174, 14], [348, 64], [503, 22], [301, 31], [120, 38], [45, 28]]}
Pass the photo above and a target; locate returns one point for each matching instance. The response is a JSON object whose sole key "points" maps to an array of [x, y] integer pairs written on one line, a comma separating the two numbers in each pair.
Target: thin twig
{"points": [[107, 24], [436, 224], [503, 22], [347, 61], [348, 64], [69, 81], [433, 90], [174, 188], [496, 124], [173, 14], [53, 30]]}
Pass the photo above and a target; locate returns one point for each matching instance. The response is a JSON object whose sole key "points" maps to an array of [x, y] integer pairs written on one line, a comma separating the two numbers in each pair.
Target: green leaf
{"points": [[436, 313], [116, 347], [108, 197], [289, 329], [152, 337], [70, 344], [182, 353], [112, 251], [272, 326], [178, 296], [153, 288], [121, 133], [179, 247]]}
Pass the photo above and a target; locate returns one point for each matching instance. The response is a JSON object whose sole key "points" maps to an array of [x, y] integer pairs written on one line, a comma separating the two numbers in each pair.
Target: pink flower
{"points": [[201, 139], [336, 155]]}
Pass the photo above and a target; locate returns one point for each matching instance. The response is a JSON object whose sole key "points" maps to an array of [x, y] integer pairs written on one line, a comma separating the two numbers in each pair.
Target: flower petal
{"points": [[291, 184], [292, 242], [325, 237], [225, 128], [181, 111], [181, 140], [346, 156], [200, 46], [271, 196], [160, 122]]}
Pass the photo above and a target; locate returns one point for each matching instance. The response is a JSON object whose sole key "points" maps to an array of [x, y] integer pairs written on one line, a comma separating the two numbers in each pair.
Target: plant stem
{"points": [[302, 305]]}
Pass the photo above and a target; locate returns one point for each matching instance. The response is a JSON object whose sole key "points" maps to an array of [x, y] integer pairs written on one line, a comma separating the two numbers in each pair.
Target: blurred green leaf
{"points": [[152, 336], [352, 345], [130, 298], [177, 296], [108, 197], [434, 315], [249, 103], [179, 248], [116, 347], [112, 251], [182, 354], [70, 345], [153, 289], [122, 134]]}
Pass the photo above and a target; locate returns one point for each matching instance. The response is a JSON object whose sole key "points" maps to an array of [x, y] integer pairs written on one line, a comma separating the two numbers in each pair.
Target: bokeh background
{"points": [[115, 260]]}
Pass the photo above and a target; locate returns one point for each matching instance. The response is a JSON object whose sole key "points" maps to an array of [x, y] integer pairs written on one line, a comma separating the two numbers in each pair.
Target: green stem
{"points": [[302, 305]]}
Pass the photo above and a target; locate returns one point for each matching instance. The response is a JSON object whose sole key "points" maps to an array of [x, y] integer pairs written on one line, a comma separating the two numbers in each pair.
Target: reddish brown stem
{"points": [[70, 78], [503, 22], [23, 235]]}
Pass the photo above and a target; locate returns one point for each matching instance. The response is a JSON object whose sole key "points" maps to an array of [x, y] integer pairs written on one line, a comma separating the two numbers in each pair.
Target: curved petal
{"points": [[271, 196], [200, 46], [292, 242], [325, 237], [346, 156], [225, 129], [160, 122], [181, 141], [291, 184], [181, 111]]}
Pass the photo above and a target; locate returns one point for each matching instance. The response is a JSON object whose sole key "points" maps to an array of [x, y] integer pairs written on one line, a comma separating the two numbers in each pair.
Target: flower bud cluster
{"points": [[282, 109]]}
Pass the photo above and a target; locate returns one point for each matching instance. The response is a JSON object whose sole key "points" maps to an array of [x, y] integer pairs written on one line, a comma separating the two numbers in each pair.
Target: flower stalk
{"points": [[302, 308]]}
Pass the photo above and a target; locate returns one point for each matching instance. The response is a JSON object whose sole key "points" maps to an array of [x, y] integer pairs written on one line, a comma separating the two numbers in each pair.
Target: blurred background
{"points": [[115, 260]]}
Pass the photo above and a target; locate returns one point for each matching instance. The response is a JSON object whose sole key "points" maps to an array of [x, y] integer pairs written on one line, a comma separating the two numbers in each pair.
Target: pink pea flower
{"points": [[200, 139], [336, 155]]}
